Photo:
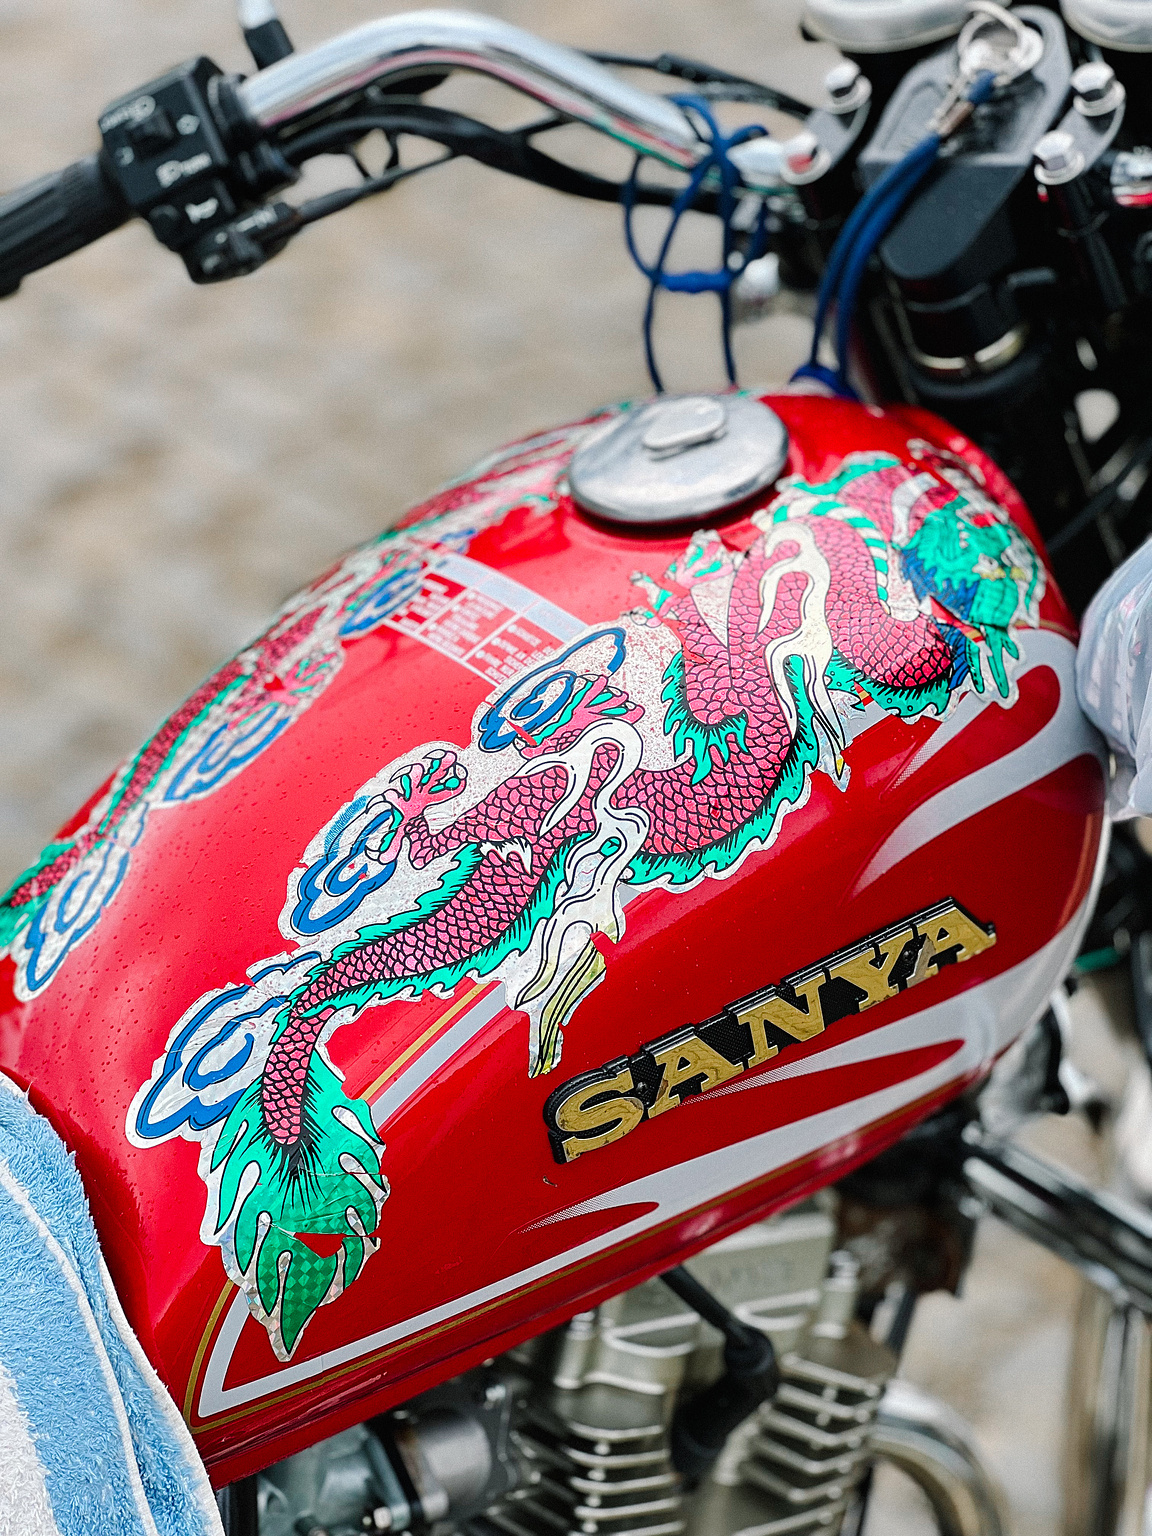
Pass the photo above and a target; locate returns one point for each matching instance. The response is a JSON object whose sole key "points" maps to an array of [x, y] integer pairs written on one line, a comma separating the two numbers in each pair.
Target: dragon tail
{"points": [[296, 1217]]}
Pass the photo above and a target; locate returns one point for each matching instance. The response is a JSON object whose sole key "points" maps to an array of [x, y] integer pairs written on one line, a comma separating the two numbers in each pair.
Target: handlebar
{"points": [[54, 216], [197, 152], [397, 47]]}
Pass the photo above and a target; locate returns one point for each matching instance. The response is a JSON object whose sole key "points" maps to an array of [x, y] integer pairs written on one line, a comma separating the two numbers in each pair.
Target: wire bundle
{"points": [[716, 163]]}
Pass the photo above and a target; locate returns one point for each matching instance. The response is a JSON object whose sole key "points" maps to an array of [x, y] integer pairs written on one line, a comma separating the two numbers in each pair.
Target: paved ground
{"points": [[176, 460]]}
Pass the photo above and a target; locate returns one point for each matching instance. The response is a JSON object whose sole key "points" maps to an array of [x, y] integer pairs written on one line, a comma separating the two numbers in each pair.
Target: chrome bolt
{"points": [[802, 151], [1133, 165], [1057, 158], [1096, 89], [756, 290], [844, 1264], [847, 87], [1055, 151], [839, 80], [1092, 81], [1131, 177], [805, 159]]}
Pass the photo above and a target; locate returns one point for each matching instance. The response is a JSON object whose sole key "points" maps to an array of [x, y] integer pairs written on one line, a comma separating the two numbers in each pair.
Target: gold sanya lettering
{"points": [[954, 930], [871, 969], [771, 1008], [597, 1113], [603, 1106], [684, 1060]]}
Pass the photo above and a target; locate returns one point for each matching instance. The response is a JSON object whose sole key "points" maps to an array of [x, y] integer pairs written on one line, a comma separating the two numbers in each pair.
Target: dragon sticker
{"points": [[654, 751], [247, 705]]}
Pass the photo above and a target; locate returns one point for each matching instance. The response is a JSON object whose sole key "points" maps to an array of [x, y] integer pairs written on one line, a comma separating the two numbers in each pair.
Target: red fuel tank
{"points": [[535, 902]]}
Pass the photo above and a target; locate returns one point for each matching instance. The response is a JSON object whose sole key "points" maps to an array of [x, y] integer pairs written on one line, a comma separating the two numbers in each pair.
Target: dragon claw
{"points": [[596, 701], [438, 777]]}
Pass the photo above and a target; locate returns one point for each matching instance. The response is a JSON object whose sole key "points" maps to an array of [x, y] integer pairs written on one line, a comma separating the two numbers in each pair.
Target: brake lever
{"points": [[239, 248]]}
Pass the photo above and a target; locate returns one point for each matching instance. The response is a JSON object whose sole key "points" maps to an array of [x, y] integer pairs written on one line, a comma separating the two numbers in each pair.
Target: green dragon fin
{"points": [[269, 1203]]}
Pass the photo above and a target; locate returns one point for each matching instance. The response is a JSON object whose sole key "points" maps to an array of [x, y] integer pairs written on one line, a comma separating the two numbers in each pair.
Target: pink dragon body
{"points": [[724, 679]]}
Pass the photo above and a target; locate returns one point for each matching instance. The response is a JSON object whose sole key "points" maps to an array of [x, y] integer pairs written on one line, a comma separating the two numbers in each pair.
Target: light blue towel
{"points": [[91, 1444]]}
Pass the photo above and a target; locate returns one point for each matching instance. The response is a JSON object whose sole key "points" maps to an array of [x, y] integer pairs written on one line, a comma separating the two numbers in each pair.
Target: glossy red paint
{"points": [[484, 1238]]}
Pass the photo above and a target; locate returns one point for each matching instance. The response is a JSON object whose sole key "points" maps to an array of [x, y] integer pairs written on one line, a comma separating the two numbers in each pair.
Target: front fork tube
{"points": [[1107, 1452], [1108, 1449]]}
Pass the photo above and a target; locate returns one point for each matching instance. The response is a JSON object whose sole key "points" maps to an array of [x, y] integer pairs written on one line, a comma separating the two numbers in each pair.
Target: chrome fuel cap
{"points": [[679, 458]]}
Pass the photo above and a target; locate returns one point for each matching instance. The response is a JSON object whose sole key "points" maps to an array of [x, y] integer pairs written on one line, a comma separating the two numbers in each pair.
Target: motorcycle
{"points": [[628, 774]]}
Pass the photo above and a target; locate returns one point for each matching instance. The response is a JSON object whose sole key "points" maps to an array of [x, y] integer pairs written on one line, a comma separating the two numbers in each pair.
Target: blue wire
{"points": [[855, 222], [863, 231], [720, 281], [881, 220]]}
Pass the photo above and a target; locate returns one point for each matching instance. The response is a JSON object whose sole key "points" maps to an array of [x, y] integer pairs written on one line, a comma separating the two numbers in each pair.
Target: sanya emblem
{"points": [[600, 1107]]}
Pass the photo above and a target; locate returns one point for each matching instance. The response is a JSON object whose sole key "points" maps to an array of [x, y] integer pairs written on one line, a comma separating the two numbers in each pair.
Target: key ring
{"points": [[977, 53]]}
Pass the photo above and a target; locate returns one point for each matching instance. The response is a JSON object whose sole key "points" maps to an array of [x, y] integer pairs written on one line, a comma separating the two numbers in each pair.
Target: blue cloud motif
{"points": [[186, 1091], [533, 701], [335, 884], [396, 586], [457, 539], [74, 907], [230, 747]]}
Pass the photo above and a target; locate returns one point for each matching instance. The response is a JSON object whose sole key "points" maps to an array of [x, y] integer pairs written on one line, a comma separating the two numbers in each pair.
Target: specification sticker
{"points": [[482, 619]]}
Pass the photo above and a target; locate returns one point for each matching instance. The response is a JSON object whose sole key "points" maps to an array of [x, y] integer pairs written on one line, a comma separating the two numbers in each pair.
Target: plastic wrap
{"points": [[1114, 678]]}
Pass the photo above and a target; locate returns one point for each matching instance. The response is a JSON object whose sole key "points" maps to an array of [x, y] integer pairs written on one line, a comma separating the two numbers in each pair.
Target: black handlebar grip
{"points": [[54, 216]]}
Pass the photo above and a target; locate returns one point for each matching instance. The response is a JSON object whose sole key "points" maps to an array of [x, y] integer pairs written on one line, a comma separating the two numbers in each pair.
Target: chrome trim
{"points": [[417, 42], [620, 474], [937, 1450], [1110, 24], [1105, 1237], [987, 359], [884, 26]]}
